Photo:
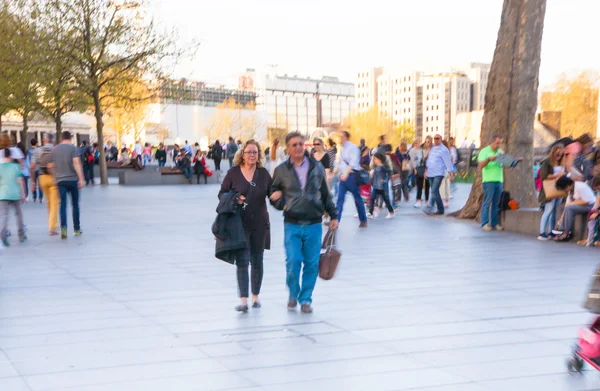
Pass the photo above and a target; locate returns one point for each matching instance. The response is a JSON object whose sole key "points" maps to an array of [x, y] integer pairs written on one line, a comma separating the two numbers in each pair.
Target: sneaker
{"points": [[556, 232], [418, 204], [356, 216], [543, 237], [63, 233], [242, 308], [369, 216], [291, 305], [23, 238], [390, 216], [306, 309], [487, 228], [499, 228], [77, 232], [5, 242]]}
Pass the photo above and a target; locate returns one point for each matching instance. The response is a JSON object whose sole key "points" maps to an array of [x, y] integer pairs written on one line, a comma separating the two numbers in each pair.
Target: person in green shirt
{"points": [[12, 194], [492, 174]]}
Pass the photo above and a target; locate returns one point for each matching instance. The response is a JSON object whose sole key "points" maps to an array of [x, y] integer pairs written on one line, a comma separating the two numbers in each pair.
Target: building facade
{"points": [[478, 74], [366, 91], [303, 104]]}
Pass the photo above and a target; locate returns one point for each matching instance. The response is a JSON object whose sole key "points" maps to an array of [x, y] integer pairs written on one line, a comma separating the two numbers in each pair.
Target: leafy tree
{"points": [[112, 43], [372, 124], [577, 100]]}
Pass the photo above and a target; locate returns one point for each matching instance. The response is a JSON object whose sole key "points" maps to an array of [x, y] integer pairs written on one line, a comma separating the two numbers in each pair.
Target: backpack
{"points": [[505, 200], [45, 159], [88, 156]]}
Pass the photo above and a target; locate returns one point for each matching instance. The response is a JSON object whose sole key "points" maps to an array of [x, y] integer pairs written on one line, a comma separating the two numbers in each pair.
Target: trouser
{"points": [[404, 184], [64, 188], [88, 171], [303, 250], [230, 162], [198, 178], [569, 216], [445, 189], [351, 185], [187, 172], [592, 229], [217, 164], [491, 203], [386, 199], [26, 180], [51, 190], [548, 221], [244, 258], [5, 205], [38, 193], [161, 163], [436, 197], [422, 184]]}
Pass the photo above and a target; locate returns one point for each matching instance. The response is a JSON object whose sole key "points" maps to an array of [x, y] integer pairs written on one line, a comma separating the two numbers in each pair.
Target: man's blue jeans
{"points": [[352, 186], [64, 188], [491, 203], [187, 172], [436, 197], [302, 248]]}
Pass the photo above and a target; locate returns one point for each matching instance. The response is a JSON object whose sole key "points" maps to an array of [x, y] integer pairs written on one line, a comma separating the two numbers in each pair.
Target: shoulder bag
{"points": [[330, 256]]}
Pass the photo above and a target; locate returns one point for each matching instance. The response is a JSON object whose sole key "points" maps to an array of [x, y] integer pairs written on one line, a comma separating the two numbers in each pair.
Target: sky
{"points": [[339, 38]]}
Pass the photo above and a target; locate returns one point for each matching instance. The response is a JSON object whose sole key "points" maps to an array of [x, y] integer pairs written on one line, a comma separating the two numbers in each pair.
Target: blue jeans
{"points": [[64, 188], [88, 171], [548, 222], [302, 248], [436, 197], [38, 193], [161, 163], [187, 172], [352, 186], [491, 203]]}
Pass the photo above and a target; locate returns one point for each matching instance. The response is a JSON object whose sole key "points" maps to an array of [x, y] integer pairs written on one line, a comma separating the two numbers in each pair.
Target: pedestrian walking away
{"points": [[34, 153], [12, 194], [252, 183], [232, 148], [300, 190], [47, 184], [68, 175], [381, 177]]}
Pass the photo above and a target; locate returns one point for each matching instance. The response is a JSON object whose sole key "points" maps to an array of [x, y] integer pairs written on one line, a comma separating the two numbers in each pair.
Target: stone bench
{"points": [[152, 176], [527, 221], [113, 169]]}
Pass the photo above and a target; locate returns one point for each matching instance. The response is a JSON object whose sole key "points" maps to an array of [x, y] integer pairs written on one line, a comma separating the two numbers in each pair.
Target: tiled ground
{"points": [[140, 303]]}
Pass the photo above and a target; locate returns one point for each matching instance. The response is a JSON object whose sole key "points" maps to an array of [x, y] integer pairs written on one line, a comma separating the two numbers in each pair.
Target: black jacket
{"points": [[228, 228], [303, 207]]}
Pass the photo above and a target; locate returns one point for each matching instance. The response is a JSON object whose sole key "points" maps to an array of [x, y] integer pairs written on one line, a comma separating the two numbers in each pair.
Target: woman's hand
{"points": [[241, 199], [276, 195]]}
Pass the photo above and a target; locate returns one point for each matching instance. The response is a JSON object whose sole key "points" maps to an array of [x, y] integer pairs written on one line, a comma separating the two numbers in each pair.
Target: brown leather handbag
{"points": [[330, 256]]}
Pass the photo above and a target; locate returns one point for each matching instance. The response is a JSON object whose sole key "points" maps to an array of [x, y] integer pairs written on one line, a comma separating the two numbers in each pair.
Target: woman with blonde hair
{"points": [[553, 167], [252, 182]]}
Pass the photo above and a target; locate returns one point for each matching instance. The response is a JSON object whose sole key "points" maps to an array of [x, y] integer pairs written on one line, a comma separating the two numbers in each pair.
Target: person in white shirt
{"points": [[349, 168], [580, 199], [138, 151]]}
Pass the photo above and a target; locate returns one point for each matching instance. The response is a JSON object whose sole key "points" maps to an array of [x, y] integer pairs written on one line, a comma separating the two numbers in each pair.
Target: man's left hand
{"points": [[334, 224]]}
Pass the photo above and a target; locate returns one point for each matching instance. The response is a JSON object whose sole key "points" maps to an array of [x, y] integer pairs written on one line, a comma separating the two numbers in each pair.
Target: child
{"points": [[381, 177], [12, 193]]}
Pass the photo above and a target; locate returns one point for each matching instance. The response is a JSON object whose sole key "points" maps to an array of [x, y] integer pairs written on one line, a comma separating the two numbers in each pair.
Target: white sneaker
{"points": [[356, 216], [418, 204], [369, 216], [487, 228], [499, 228], [390, 216]]}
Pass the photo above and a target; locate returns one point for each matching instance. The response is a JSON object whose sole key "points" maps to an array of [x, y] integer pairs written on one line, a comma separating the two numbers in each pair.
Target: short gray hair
{"points": [[292, 135]]}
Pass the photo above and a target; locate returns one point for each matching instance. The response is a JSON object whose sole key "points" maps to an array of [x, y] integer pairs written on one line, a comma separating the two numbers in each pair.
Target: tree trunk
{"points": [[511, 99], [99, 128], [58, 119]]}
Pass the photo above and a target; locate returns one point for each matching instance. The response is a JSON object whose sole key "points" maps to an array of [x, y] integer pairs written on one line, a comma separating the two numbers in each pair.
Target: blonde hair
{"points": [[238, 159]]}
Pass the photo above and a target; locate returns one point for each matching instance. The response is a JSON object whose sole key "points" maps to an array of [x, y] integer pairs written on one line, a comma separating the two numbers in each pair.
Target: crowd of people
{"points": [[570, 174], [49, 171], [310, 186]]}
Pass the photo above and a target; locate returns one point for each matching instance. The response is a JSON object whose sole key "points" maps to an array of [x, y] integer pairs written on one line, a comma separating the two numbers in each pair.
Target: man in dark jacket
{"points": [[300, 190]]}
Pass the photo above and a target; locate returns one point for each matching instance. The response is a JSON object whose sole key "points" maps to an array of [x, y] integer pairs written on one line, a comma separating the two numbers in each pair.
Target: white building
{"points": [[303, 104], [366, 89], [81, 129], [398, 96], [478, 73]]}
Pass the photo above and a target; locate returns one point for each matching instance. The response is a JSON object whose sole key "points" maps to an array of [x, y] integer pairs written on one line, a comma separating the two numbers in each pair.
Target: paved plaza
{"points": [[140, 303]]}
